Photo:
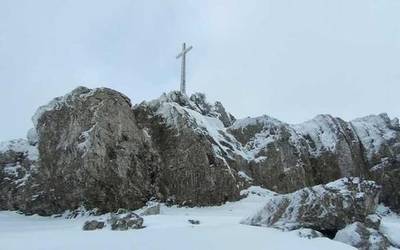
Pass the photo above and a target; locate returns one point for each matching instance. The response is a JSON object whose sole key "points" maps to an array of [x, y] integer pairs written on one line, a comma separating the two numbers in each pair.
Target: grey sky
{"points": [[288, 59]]}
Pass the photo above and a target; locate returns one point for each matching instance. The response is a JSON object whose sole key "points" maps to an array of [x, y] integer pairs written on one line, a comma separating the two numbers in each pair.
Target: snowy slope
{"points": [[219, 229]]}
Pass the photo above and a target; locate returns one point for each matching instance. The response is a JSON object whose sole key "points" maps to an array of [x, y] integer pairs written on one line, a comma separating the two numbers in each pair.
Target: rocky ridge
{"points": [[92, 148]]}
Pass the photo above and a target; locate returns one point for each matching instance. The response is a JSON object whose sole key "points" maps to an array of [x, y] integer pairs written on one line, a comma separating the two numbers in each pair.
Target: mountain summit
{"points": [[93, 148]]}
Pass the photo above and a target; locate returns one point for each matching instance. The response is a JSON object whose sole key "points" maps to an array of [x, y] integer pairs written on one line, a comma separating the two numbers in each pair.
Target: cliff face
{"points": [[93, 148], [288, 157]]}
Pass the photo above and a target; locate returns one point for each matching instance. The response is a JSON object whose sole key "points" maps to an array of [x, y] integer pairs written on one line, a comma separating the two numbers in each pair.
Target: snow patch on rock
{"points": [[20, 146], [375, 131]]}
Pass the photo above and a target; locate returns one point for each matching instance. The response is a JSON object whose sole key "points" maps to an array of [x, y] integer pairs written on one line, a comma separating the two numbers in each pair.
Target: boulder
{"points": [[152, 208], [93, 225], [362, 237], [93, 154], [325, 208], [125, 222]]}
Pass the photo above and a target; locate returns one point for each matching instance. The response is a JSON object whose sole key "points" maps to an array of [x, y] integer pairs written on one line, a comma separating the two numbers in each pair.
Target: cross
{"points": [[183, 67]]}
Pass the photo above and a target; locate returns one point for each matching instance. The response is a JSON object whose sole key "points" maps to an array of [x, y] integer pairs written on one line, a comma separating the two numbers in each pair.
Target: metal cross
{"points": [[183, 67]]}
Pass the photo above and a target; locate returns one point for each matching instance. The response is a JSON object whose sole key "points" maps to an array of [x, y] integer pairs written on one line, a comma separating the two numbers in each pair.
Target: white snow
{"points": [[261, 120], [219, 229], [20, 145], [85, 143], [178, 116], [66, 100], [347, 235], [270, 132], [321, 133], [54, 104], [245, 176], [322, 130], [390, 227], [374, 131]]}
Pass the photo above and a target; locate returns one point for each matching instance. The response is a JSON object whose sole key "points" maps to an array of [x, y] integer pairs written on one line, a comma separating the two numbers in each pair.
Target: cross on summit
{"points": [[183, 66]]}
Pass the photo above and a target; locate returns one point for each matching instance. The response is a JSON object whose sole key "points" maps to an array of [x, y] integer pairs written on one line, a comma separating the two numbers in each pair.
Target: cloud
{"points": [[288, 59]]}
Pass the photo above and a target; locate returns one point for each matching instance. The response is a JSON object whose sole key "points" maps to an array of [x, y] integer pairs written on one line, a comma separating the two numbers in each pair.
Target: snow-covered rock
{"points": [[98, 151], [199, 158], [361, 237], [20, 146], [151, 208], [187, 151], [285, 157], [91, 225], [125, 222], [18, 163], [325, 208], [307, 233]]}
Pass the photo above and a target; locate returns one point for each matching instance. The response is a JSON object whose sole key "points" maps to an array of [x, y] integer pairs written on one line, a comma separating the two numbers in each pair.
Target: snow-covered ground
{"points": [[390, 226], [219, 229]]}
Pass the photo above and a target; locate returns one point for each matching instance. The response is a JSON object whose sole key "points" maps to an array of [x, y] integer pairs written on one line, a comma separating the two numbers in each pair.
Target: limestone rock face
{"points": [[93, 154], [387, 172], [98, 152], [94, 149], [325, 208], [363, 238], [18, 163], [285, 157], [196, 152], [277, 156]]}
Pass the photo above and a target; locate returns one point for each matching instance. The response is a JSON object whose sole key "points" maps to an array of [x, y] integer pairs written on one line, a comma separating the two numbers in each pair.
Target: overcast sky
{"points": [[289, 59]]}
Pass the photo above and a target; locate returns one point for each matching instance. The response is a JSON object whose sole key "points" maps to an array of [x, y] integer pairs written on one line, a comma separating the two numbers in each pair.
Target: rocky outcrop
{"points": [[196, 152], [18, 163], [93, 154], [98, 152], [362, 237], [285, 157], [325, 208], [387, 172], [94, 149]]}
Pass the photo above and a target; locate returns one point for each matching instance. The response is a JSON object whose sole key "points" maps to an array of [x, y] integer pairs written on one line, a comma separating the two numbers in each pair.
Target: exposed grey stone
{"points": [[194, 222], [193, 170], [93, 225], [98, 151], [92, 153], [373, 221], [387, 172], [325, 208], [363, 238], [126, 222]]}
